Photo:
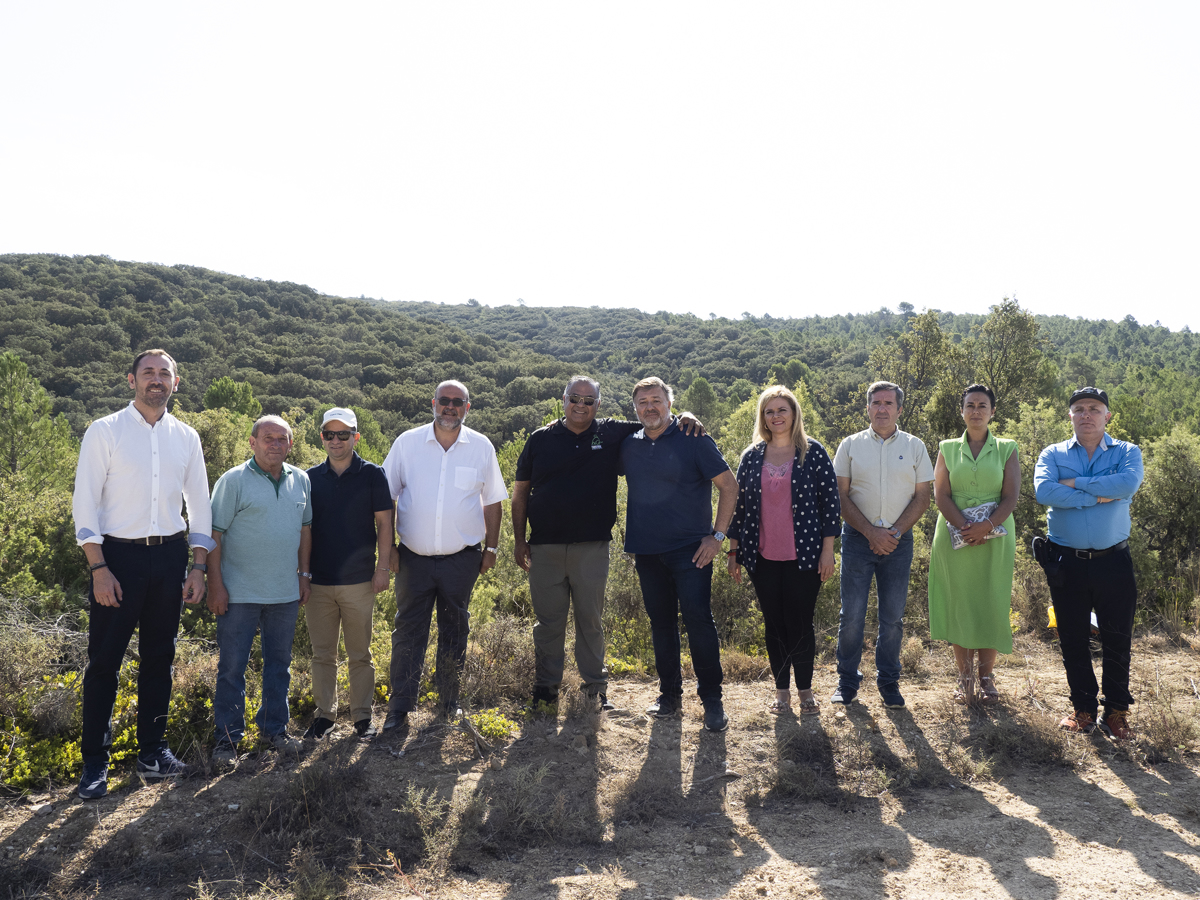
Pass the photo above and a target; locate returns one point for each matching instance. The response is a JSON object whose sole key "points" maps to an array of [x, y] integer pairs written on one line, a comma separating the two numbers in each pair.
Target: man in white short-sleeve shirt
{"points": [[447, 486], [884, 479]]}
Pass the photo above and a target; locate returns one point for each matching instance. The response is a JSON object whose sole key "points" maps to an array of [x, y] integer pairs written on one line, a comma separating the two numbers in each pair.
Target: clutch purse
{"points": [[976, 514]]}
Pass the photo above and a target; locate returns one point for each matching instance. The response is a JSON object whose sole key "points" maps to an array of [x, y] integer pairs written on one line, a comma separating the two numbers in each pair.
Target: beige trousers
{"points": [[349, 606]]}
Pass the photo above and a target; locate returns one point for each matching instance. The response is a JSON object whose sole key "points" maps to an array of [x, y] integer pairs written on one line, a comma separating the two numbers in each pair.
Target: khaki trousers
{"points": [[562, 576], [349, 606]]}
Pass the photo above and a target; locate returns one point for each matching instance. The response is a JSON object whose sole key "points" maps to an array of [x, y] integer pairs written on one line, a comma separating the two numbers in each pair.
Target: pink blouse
{"points": [[776, 539]]}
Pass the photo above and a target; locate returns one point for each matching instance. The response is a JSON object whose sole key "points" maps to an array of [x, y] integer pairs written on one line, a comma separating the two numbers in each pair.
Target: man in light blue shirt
{"points": [[1087, 483], [258, 579]]}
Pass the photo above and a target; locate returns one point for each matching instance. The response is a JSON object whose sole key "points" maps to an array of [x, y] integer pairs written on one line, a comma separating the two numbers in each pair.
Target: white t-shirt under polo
{"points": [[883, 474], [440, 494]]}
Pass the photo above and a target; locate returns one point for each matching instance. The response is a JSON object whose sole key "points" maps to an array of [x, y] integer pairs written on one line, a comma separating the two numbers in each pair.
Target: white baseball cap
{"points": [[339, 414]]}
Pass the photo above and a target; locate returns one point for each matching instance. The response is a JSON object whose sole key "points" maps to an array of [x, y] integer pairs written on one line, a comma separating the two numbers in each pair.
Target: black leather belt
{"points": [[1092, 554], [474, 548], [153, 541]]}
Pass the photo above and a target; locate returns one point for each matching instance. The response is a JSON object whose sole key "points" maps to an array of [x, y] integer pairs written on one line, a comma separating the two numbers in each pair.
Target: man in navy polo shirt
{"points": [[351, 548], [1087, 484], [669, 529], [566, 491]]}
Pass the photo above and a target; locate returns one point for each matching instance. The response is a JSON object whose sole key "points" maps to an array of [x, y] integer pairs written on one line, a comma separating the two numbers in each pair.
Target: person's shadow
{"points": [[965, 822]]}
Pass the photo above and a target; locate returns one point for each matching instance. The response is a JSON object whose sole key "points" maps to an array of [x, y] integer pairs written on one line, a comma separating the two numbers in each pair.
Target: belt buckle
{"points": [[1084, 554]]}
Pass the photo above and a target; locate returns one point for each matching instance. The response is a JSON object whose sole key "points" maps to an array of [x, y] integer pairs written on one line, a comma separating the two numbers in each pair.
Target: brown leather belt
{"points": [[153, 541]]}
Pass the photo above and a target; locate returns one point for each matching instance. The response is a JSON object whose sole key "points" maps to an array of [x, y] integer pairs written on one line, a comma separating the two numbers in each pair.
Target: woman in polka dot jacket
{"points": [[788, 514]]}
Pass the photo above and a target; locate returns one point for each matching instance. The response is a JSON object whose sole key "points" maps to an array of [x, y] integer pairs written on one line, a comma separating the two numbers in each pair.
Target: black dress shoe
{"points": [[395, 719], [364, 729]]}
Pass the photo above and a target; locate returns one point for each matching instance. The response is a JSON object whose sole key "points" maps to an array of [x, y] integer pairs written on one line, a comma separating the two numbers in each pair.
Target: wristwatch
{"points": [[203, 567], [489, 549], [307, 575], [720, 536]]}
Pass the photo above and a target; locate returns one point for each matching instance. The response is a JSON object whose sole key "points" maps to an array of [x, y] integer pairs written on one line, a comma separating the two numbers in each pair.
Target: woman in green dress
{"points": [[970, 588]]}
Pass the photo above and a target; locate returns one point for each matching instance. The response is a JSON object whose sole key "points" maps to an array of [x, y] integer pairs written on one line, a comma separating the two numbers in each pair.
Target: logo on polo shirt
{"points": [[596, 445]]}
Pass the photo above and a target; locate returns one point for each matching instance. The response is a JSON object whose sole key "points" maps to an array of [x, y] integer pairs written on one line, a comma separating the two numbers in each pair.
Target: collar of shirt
{"points": [[326, 469], [283, 473], [1106, 441], [460, 438], [672, 426], [883, 440], [560, 427], [988, 444]]}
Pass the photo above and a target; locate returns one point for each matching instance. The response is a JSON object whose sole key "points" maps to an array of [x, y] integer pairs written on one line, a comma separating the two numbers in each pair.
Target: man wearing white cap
{"points": [[351, 547]]}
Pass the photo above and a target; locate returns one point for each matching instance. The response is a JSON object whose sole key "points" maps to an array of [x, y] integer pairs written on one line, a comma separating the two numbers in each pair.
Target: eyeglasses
{"points": [[340, 435], [456, 402], [586, 401]]}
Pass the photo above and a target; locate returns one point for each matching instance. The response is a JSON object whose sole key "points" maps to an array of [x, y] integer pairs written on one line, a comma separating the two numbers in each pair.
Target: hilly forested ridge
{"points": [[76, 321], [69, 327]]}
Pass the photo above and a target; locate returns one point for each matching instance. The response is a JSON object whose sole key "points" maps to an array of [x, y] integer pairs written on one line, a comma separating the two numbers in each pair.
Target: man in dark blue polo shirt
{"points": [[351, 548], [566, 490], [668, 527]]}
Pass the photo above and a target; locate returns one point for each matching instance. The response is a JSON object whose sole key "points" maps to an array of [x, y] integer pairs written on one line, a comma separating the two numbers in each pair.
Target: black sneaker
{"points": [[318, 729], [665, 707], [94, 782], [604, 704], [714, 716], [395, 719], [161, 763], [892, 698], [364, 729], [844, 695]]}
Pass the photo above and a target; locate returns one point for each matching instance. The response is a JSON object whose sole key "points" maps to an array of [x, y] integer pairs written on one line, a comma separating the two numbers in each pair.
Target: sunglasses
{"points": [[456, 402], [340, 435], [586, 401]]}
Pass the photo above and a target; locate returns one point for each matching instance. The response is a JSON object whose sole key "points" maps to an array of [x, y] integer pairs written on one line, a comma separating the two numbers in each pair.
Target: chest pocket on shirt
{"points": [[465, 477]]}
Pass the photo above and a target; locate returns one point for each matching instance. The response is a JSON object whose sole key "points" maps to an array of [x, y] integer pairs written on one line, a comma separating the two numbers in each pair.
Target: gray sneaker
{"points": [[285, 743], [224, 756]]}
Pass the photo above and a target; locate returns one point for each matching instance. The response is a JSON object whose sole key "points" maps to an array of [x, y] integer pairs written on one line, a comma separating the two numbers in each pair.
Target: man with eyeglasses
{"points": [[351, 552], [447, 486], [258, 578], [565, 493]]}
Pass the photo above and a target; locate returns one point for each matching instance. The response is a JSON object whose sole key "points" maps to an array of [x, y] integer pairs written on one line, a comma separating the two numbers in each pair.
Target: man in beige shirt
{"points": [[884, 478]]}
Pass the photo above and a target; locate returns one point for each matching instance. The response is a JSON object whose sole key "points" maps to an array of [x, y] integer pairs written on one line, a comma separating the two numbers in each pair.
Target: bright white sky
{"points": [[784, 158]]}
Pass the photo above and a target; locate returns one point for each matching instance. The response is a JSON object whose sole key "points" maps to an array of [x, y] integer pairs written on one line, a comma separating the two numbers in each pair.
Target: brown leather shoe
{"points": [[1115, 723], [1078, 722]]}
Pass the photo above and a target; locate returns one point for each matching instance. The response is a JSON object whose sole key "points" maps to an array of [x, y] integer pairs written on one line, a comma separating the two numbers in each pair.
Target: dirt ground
{"points": [[927, 802]]}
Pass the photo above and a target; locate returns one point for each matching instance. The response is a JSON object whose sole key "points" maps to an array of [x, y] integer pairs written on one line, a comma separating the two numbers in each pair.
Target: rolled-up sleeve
{"points": [[195, 495]]}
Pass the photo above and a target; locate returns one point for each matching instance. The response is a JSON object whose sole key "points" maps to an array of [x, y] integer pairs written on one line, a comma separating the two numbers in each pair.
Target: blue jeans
{"points": [[671, 584], [859, 566], [235, 637]]}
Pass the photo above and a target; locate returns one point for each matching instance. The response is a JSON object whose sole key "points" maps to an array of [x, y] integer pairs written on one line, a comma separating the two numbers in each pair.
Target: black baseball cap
{"points": [[1088, 393]]}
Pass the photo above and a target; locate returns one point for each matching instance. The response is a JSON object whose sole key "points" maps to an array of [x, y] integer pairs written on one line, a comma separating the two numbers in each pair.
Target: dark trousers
{"points": [[151, 580], [1107, 586], [673, 586], [422, 583], [787, 596]]}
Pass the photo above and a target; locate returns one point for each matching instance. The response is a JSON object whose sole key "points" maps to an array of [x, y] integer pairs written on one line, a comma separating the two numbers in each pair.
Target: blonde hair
{"points": [[763, 433]]}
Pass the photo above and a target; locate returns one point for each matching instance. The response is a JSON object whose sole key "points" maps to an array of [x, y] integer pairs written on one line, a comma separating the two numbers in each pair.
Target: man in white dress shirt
{"points": [[447, 486], [137, 467]]}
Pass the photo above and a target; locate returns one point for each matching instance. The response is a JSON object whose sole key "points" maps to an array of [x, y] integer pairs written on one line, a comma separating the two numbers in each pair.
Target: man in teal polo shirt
{"points": [[258, 578]]}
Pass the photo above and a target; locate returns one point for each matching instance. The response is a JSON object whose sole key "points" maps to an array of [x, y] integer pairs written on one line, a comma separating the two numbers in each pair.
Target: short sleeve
{"points": [[923, 468], [307, 500], [709, 458], [381, 494], [525, 460], [841, 459], [225, 500]]}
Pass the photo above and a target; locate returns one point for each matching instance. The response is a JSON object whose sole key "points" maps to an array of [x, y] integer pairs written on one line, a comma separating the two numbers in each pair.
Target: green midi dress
{"points": [[970, 590]]}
